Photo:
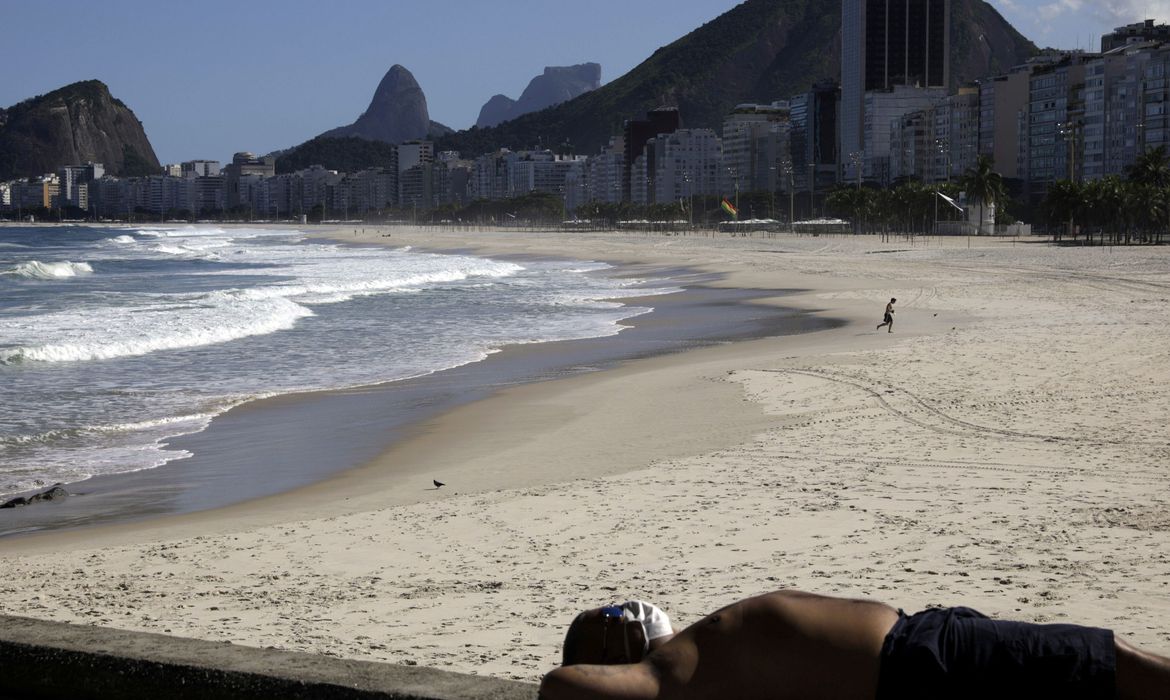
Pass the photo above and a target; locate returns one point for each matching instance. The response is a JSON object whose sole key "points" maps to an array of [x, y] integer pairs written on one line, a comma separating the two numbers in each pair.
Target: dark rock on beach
{"points": [[55, 493]]}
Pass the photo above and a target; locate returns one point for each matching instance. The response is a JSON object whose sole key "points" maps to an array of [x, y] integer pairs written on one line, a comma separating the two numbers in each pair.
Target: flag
{"points": [[729, 208], [950, 201]]}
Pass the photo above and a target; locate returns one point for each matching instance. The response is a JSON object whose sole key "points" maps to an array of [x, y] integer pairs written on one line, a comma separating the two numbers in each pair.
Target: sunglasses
{"points": [[616, 614]]}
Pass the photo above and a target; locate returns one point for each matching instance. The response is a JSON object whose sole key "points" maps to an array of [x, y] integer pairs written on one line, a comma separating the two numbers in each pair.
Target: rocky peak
{"points": [[397, 112], [78, 123], [555, 85]]}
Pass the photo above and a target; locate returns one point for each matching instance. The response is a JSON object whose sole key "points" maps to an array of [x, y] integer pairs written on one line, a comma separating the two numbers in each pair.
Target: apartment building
{"points": [[756, 147], [1054, 123], [687, 162]]}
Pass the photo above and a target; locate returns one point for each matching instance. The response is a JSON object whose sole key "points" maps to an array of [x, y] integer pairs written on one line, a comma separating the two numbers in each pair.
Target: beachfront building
{"points": [[1112, 110], [1139, 33], [604, 173], [541, 171], [73, 190], [241, 176], [886, 44], [489, 176], [637, 132], [452, 179], [1154, 125], [357, 193], [955, 134], [1003, 109], [35, 192], [757, 153], [812, 117], [415, 186], [883, 109], [687, 162], [199, 168], [640, 180], [1055, 121], [912, 147]]}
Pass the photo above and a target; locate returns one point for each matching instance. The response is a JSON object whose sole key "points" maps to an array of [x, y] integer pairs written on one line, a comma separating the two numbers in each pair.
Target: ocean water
{"points": [[115, 340]]}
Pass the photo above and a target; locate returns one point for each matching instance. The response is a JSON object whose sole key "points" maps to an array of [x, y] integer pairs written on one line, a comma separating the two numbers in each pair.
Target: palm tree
{"points": [[982, 182], [854, 203], [1151, 174], [1063, 200], [1151, 168]]}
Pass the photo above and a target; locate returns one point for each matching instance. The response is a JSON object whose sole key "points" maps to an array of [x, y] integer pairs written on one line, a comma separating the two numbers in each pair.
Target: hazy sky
{"points": [[213, 77]]}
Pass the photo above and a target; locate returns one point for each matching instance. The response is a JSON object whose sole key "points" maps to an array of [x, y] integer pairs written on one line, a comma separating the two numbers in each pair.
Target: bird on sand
{"points": [[437, 483]]}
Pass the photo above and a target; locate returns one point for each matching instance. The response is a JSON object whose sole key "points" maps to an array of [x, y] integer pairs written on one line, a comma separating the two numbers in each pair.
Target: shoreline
{"points": [[228, 476], [1004, 449]]}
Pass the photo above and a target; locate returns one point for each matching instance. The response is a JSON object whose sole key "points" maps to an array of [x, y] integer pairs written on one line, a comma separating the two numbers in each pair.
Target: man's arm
{"points": [[584, 681]]}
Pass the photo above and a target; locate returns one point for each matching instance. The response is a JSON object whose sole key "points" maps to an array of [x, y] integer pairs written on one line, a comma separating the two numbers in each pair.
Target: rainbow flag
{"points": [[729, 208]]}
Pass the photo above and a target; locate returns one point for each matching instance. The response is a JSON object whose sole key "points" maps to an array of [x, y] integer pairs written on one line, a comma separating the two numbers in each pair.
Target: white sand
{"points": [[1007, 447]]}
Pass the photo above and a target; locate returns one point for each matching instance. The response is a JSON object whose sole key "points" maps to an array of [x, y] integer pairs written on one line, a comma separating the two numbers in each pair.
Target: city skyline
{"points": [[213, 79]]}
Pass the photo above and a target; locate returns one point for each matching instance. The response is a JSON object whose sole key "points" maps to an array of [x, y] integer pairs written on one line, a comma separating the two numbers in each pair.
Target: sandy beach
{"points": [[1006, 447]]}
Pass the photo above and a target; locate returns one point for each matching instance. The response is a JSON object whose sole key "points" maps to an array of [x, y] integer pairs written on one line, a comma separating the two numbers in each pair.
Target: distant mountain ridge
{"points": [[75, 124], [759, 51], [555, 85], [397, 112]]}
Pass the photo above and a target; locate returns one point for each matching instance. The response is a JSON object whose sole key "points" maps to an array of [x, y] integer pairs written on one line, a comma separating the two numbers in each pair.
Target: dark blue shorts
{"points": [[960, 653]]}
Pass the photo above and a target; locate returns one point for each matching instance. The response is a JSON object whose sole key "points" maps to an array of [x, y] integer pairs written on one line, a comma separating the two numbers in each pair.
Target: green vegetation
{"points": [[348, 154], [134, 165], [984, 185]]}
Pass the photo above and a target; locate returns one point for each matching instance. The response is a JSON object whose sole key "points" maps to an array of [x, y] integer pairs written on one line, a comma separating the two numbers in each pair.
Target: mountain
{"points": [[556, 85], [75, 124], [759, 51], [397, 113]]}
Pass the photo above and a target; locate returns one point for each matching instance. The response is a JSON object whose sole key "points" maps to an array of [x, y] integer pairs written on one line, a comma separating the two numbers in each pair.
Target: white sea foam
{"points": [[173, 425], [440, 311], [124, 332], [37, 270]]}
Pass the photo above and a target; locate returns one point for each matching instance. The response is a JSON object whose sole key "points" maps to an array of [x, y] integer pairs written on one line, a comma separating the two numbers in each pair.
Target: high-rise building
{"points": [[887, 44], [664, 120], [813, 116], [1055, 135], [756, 152], [605, 172]]}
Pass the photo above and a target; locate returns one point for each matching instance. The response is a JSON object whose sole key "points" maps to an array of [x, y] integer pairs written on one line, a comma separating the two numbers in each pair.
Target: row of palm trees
{"points": [[914, 207], [1119, 210], [1133, 209]]}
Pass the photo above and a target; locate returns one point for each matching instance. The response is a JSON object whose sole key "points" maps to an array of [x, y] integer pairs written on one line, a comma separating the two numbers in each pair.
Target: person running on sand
{"points": [[888, 319], [790, 644]]}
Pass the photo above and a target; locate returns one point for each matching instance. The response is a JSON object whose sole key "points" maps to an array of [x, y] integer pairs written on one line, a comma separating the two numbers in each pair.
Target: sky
{"points": [[210, 78]]}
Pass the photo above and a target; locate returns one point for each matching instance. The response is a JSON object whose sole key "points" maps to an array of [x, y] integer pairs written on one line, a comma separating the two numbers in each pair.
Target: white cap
{"points": [[655, 621]]}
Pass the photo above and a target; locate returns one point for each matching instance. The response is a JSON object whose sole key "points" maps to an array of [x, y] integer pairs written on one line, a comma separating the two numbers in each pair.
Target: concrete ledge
{"points": [[42, 659]]}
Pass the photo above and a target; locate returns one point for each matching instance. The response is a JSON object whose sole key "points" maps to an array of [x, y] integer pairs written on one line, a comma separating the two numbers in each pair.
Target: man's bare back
{"points": [[785, 644]]}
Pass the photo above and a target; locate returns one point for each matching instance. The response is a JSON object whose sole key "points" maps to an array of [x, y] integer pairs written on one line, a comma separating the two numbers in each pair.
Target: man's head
{"points": [[609, 635], [892, 300]]}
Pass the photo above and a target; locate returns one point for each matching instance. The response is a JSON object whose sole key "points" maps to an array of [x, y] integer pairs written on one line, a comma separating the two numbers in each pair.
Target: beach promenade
{"points": [[1006, 448]]}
